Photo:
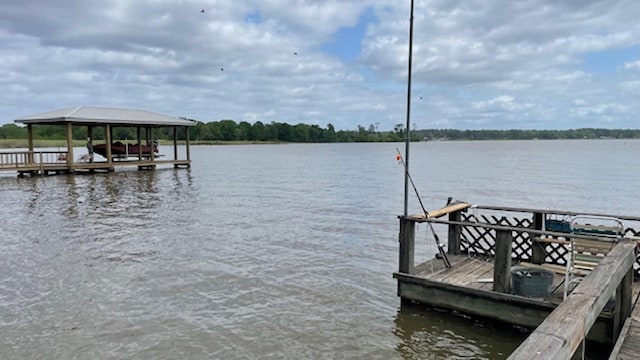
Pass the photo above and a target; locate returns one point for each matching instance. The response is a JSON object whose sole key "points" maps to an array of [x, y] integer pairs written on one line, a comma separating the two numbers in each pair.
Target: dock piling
{"points": [[502, 264], [407, 245]]}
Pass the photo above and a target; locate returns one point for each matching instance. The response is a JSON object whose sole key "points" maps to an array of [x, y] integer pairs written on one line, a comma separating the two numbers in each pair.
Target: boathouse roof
{"points": [[103, 115]]}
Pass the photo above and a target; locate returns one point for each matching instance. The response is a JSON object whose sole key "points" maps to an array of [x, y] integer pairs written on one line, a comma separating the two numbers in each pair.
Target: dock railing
{"points": [[473, 230], [22, 159], [565, 329]]}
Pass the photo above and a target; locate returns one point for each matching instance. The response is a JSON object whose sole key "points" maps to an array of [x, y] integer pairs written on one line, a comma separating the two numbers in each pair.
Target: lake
{"points": [[268, 251]]}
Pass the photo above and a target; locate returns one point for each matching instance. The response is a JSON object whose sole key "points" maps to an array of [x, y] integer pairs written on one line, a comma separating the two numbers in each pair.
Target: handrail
{"points": [[562, 332], [508, 228], [544, 211], [444, 210], [17, 159], [554, 212]]}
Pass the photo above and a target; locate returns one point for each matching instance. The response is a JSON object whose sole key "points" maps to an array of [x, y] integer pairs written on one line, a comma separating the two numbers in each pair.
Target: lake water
{"points": [[268, 251]]}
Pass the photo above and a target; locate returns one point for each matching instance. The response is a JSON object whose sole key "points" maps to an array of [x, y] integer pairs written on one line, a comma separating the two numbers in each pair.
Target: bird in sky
{"points": [[202, 11], [221, 69], [295, 53]]}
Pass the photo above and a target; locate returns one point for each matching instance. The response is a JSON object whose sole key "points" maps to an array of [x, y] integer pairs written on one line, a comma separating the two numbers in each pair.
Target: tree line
{"points": [[223, 130], [583, 133], [229, 130]]}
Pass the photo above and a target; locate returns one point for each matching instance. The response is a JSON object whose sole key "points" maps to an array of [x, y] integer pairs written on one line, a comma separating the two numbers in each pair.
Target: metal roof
{"points": [[101, 115]]}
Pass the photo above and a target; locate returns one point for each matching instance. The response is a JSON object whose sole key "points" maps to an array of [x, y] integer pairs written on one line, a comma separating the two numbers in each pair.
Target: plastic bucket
{"points": [[533, 282]]}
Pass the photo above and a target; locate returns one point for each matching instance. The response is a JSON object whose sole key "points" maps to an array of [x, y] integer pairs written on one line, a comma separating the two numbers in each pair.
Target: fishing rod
{"points": [[443, 254]]}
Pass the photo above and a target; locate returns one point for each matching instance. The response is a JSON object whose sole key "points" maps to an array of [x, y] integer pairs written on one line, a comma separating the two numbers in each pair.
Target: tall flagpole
{"points": [[408, 127]]}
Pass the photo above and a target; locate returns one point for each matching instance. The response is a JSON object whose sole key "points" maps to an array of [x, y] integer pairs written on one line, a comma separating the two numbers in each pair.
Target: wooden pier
{"points": [[32, 162], [484, 244], [628, 345]]}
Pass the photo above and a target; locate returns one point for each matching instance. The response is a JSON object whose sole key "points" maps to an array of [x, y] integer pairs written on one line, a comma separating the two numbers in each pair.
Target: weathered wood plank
{"points": [[454, 273], [501, 307], [435, 266], [502, 264], [433, 214], [464, 278], [453, 235], [512, 309], [628, 345], [407, 246]]}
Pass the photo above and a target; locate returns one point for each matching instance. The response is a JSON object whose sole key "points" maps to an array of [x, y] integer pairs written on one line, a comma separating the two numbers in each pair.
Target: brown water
{"points": [[267, 252]]}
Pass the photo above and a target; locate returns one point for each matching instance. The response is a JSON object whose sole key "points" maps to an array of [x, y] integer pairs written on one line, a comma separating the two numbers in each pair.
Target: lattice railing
{"points": [[480, 241]]}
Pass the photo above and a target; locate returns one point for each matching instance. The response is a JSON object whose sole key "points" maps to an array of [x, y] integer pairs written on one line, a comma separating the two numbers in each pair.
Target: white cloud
{"points": [[632, 65], [499, 64], [631, 85]]}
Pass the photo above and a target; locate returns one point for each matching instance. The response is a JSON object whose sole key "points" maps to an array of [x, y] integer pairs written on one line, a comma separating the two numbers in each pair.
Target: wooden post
{"points": [[139, 140], [30, 142], [624, 305], [108, 135], [502, 264], [153, 145], [407, 245], [187, 143], [538, 253], [175, 143], [453, 246], [90, 142], [69, 145]]}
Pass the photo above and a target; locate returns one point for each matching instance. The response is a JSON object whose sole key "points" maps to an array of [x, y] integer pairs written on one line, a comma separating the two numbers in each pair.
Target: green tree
{"points": [[257, 131], [228, 129], [244, 131], [13, 131]]}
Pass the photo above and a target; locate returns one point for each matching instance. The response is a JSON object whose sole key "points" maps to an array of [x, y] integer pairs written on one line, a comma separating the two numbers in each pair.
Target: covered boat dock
{"points": [[143, 153]]}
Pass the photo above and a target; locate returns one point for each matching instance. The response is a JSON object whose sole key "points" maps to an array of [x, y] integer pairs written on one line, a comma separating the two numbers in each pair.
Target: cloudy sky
{"points": [[478, 64]]}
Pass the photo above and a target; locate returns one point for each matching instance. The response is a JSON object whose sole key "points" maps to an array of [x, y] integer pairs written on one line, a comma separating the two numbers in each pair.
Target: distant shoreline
{"points": [[48, 143]]}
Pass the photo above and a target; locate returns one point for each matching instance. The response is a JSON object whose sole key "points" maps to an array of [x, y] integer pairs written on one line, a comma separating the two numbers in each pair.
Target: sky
{"points": [[477, 64]]}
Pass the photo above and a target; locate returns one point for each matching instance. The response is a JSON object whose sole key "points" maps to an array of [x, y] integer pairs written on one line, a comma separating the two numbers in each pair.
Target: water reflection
{"points": [[442, 335]]}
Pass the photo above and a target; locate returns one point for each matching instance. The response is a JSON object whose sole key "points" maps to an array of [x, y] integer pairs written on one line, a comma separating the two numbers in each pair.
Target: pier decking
{"points": [[55, 162], [484, 243], [628, 346]]}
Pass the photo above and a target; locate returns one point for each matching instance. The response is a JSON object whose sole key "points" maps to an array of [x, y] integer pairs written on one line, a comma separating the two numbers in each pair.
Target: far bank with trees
{"points": [[231, 131]]}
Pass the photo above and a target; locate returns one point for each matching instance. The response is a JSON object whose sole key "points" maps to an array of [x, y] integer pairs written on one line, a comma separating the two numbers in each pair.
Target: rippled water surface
{"points": [[267, 251]]}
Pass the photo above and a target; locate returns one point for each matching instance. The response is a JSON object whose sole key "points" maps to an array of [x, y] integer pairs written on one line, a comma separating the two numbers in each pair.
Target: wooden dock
{"points": [[628, 345], [483, 246]]}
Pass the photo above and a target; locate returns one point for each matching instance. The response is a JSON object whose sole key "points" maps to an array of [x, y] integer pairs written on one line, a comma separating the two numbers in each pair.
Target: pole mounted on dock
{"points": [[443, 253], [407, 130], [407, 140]]}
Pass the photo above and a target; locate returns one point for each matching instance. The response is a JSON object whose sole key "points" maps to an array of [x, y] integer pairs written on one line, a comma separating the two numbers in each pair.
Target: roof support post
{"points": [[139, 141], [90, 142], [153, 145], [175, 143], [69, 145], [108, 131], [30, 142], [187, 144]]}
